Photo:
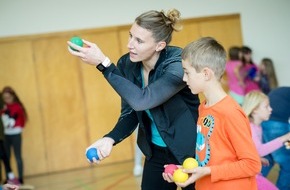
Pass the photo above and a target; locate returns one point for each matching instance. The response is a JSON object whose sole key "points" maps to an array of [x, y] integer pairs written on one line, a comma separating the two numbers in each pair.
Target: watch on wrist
{"points": [[103, 66]]}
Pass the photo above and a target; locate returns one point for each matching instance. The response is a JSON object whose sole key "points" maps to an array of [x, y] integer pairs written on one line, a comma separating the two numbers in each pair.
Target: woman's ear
{"points": [[160, 46]]}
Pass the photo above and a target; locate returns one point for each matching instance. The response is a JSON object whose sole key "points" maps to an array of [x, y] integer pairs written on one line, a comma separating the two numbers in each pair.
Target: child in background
{"points": [[234, 77], [250, 70], [268, 80], [14, 117], [257, 108], [225, 151], [3, 155]]}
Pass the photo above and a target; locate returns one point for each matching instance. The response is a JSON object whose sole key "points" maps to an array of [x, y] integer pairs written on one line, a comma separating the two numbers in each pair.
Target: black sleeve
{"points": [[126, 124], [153, 95]]}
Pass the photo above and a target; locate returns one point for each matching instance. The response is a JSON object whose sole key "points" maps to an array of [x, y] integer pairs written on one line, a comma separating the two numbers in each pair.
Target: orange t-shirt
{"points": [[224, 143]]}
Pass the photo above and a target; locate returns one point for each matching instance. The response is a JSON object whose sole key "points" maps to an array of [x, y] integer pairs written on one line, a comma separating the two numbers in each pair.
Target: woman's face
{"points": [[7, 98], [141, 44]]}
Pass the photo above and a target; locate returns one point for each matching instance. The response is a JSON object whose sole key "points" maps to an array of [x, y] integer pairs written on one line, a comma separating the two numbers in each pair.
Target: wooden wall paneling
{"points": [[189, 33], [61, 102], [226, 30], [103, 104], [17, 70]]}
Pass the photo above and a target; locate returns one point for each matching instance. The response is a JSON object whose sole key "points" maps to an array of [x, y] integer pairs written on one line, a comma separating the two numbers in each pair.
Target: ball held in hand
{"points": [[78, 41], [179, 176], [170, 169], [92, 153], [190, 163]]}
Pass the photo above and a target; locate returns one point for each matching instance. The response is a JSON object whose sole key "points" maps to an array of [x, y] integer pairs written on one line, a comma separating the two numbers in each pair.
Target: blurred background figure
{"points": [[250, 70], [234, 76], [3, 156], [257, 108], [138, 166], [14, 117], [268, 80], [278, 125]]}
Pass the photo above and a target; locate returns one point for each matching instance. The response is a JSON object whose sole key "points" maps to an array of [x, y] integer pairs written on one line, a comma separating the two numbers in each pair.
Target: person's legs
{"points": [[5, 159], [153, 169], [8, 143], [17, 142], [272, 130], [138, 168]]}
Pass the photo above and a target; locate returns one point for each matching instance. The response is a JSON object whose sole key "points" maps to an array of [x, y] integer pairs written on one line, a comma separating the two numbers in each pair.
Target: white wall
{"points": [[264, 22]]}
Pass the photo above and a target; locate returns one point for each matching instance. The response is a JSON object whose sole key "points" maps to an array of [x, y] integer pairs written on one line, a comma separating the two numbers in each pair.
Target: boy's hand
{"points": [[194, 174]]}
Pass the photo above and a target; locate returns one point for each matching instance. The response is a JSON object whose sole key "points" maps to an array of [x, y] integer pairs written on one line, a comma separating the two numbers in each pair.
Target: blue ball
{"points": [[92, 153]]}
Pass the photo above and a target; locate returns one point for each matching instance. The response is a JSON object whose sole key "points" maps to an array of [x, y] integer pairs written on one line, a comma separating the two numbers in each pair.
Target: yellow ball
{"points": [[179, 176], [190, 163]]}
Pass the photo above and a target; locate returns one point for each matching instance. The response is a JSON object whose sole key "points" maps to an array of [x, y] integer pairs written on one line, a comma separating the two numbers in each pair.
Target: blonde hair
{"points": [[161, 24], [252, 100], [206, 52]]}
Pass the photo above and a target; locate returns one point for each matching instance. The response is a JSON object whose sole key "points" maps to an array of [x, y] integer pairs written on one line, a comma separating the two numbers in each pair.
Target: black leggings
{"points": [[152, 174], [4, 157], [15, 142]]}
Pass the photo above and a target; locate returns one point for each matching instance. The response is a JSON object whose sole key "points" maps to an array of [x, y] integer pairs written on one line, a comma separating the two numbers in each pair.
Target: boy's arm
{"points": [[248, 162]]}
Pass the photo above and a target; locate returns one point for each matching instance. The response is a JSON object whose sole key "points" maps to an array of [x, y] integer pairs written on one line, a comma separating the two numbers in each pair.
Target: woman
{"points": [[14, 117], [149, 81]]}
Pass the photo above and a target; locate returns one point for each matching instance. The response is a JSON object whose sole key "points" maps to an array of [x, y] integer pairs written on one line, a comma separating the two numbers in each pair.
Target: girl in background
{"points": [[268, 80], [250, 70], [3, 155], [14, 117], [234, 77], [257, 108]]}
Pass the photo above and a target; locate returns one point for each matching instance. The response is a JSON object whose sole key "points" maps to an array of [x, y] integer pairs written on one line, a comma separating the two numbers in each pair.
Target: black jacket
{"points": [[173, 107]]}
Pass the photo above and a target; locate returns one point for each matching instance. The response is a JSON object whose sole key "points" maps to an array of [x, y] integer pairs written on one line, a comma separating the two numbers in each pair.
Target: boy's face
{"points": [[193, 79]]}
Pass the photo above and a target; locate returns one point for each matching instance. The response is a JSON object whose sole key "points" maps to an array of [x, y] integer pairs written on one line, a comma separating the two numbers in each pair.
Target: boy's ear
{"points": [[207, 73], [160, 46]]}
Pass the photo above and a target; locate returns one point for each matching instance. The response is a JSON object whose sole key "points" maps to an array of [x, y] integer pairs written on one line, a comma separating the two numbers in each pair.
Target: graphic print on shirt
{"points": [[204, 130], [8, 120]]}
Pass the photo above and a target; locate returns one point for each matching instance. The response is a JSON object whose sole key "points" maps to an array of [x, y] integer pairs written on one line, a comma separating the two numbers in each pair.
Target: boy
{"points": [[225, 151]]}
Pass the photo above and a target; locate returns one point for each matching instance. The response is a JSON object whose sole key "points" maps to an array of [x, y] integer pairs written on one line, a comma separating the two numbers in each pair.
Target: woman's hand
{"points": [[104, 148], [90, 53]]}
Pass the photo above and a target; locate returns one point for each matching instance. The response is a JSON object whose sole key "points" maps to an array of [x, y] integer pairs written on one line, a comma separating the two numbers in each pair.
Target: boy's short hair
{"points": [[206, 52]]}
